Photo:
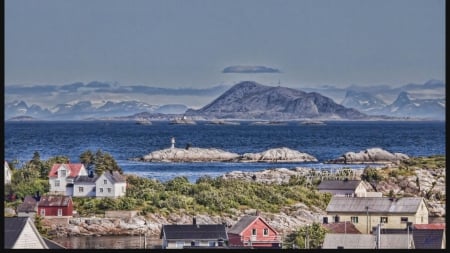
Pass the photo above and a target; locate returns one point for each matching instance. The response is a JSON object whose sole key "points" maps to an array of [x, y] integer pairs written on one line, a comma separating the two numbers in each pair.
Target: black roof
{"points": [[52, 244], [194, 232], [428, 238]]}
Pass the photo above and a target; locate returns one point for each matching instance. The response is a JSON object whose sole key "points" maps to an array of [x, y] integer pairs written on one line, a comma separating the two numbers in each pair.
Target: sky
{"points": [[203, 43]]}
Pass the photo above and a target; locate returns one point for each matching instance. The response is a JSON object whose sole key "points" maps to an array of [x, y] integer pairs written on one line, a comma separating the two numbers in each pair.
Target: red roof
{"points": [[437, 226], [73, 167], [342, 228]]}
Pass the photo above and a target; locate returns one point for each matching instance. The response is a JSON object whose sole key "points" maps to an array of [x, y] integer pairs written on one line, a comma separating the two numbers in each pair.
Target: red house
{"points": [[55, 205], [253, 232]]}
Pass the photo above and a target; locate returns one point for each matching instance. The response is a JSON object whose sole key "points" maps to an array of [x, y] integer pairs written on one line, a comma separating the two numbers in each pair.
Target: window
{"points": [[59, 211], [348, 195], [101, 189], [354, 219], [266, 232], [383, 219], [62, 173], [403, 219], [57, 183], [80, 189], [180, 244], [42, 212], [254, 231], [109, 190], [105, 181]]}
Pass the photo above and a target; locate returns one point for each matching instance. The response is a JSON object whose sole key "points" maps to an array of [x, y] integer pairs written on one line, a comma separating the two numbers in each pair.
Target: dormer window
{"points": [[62, 173]]}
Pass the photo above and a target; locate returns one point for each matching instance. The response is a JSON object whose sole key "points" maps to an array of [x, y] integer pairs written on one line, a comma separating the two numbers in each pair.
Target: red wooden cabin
{"points": [[253, 232], [55, 205]]}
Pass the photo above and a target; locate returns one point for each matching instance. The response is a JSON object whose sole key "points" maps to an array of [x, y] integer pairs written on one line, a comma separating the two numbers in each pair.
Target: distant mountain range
{"points": [[245, 100]]}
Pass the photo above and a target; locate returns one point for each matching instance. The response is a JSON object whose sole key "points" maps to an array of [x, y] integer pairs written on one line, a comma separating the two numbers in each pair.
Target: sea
{"points": [[128, 140]]}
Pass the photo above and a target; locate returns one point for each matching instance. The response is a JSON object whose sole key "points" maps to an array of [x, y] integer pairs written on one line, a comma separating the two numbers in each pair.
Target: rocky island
{"points": [[371, 155], [195, 154]]}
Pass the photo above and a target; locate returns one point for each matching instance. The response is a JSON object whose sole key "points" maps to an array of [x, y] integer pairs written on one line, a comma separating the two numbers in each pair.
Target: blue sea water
{"points": [[125, 140]]}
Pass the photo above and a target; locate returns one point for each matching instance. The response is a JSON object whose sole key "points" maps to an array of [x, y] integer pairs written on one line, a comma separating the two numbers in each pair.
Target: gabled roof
{"points": [[194, 232], [54, 200], [13, 229], [114, 177], [374, 204], [85, 179], [339, 184], [29, 204], [365, 241], [429, 236], [52, 244], [341, 228], [246, 221], [74, 168]]}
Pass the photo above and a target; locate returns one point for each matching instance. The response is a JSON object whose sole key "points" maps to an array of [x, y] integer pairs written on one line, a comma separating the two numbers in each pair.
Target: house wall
{"points": [[360, 191], [259, 239], [172, 244], [53, 210], [30, 238], [120, 189], [421, 216], [394, 220], [88, 190], [101, 188], [8, 174], [64, 180]]}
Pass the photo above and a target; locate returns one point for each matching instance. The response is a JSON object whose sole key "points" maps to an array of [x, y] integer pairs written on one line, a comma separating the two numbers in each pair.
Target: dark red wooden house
{"points": [[253, 232], [55, 205]]}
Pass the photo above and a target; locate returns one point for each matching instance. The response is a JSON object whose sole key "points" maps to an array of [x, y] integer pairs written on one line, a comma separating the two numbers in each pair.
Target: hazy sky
{"points": [[201, 43]]}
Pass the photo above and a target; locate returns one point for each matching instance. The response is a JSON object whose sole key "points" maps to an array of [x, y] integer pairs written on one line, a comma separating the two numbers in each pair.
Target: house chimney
{"points": [[194, 221], [257, 213], [37, 197]]}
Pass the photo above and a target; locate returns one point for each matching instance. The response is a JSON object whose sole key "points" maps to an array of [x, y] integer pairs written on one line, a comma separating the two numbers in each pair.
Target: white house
{"points": [[8, 173], [62, 177], [110, 184], [21, 233], [84, 186]]}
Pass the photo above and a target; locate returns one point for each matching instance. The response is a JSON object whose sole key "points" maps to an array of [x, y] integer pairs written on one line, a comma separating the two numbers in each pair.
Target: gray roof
{"points": [[52, 244], [243, 223], [54, 200], [366, 241], [86, 179], [339, 184], [194, 232], [374, 204], [29, 204], [115, 177]]}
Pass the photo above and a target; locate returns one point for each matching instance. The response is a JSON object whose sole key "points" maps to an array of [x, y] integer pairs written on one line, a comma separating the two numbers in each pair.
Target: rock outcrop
{"points": [[190, 155], [278, 155], [371, 155]]}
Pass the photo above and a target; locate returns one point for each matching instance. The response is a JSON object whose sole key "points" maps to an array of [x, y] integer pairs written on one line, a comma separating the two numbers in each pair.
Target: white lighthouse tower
{"points": [[173, 142]]}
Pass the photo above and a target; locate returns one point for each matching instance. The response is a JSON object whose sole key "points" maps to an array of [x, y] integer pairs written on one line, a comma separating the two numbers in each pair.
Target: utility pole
{"points": [[367, 219]]}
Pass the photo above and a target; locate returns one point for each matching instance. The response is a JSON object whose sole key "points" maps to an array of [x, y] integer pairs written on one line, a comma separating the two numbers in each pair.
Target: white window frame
{"points": [[109, 190], [266, 232], [254, 231], [59, 211], [43, 212], [354, 219], [101, 190], [383, 219], [57, 183], [105, 181], [80, 189], [62, 173]]}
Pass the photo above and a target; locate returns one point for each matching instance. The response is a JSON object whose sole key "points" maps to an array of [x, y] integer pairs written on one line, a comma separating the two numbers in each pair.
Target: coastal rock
{"points": [[190, 155], [371, 155], [279, 155]]}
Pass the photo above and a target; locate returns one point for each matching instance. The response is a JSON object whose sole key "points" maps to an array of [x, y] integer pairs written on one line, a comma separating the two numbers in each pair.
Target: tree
{"points": [[99, 162], [307, 237]]}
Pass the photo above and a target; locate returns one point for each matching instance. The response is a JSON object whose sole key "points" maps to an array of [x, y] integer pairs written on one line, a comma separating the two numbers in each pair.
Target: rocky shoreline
{"points": [[427, 183]]}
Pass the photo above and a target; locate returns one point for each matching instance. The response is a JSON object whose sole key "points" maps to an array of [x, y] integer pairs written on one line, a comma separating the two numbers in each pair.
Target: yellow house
{"points": [[367, 213]]}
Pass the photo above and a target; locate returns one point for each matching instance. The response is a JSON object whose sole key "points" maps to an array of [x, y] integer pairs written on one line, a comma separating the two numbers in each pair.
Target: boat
{"points": [[312, 122], [143, 122]]}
